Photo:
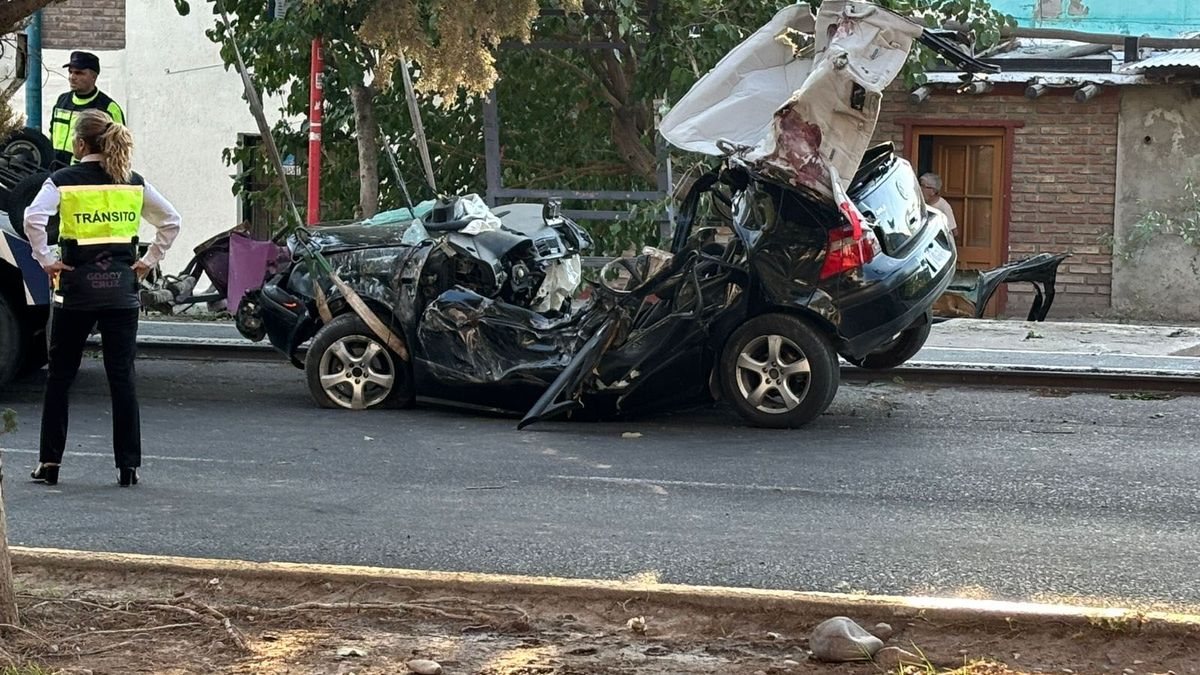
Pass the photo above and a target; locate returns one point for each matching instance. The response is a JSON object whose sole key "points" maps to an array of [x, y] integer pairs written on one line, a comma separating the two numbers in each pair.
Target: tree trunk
{"points": [[631, 124], [8, 596], [628, 135], [367, 131]]}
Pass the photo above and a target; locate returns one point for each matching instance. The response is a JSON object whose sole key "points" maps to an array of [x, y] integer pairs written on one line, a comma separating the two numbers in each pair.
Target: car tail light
{"points": [[850, 246]]}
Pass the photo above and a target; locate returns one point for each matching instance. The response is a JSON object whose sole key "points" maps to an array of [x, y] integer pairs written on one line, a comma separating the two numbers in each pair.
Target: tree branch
{"points": [[13, 12], [585, 75]]}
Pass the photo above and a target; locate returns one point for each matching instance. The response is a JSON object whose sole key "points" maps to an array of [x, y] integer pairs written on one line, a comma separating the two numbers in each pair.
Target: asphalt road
{"points": [[913, 490]]}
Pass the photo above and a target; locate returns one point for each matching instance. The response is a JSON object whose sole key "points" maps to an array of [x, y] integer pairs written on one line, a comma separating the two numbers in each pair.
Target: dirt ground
{"points": [[118, 622]]}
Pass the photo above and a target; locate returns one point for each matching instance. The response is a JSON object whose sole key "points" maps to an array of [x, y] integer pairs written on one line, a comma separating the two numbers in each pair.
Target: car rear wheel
{"points": [[778, 371], [349, 367], [898, 350]]}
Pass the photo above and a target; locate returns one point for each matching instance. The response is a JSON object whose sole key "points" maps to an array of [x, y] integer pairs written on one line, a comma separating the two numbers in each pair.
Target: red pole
{"points": [[315, 103]]}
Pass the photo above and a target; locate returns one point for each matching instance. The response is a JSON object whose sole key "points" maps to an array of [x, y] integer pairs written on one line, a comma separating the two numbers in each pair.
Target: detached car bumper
{"points": [[284, 317]]}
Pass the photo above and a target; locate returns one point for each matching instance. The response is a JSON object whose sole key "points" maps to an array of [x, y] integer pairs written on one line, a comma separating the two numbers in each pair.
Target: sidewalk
{"points": [[958, 343], [1069, 347]]}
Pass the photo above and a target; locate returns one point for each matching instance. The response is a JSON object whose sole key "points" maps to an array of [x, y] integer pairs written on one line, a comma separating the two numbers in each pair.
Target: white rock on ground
{"points": [[883, 631], [425, 667], [839, 639]]}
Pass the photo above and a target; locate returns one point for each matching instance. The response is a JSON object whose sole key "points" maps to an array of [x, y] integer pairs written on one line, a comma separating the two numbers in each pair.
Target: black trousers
{"points": [[69, 330]]}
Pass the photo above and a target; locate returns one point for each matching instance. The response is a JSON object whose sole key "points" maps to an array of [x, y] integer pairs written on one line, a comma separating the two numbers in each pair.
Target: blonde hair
{"points": [[112, 139]]}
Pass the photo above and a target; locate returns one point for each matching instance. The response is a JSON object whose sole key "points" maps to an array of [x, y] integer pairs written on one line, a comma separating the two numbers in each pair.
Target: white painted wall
{"points": [[184, 109]]}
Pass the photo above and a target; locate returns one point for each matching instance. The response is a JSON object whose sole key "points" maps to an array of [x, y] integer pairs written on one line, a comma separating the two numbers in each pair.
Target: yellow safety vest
{"points": [[100, 214], [66, 114]]}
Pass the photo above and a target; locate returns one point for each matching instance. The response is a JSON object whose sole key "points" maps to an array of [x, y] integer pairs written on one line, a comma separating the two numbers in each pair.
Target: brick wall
{"points": [[89, 25], [1063, 181]]}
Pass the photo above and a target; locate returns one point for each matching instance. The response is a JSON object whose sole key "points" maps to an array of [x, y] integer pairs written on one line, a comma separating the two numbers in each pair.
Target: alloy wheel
{"points": [[357, 372], [773, 374]]}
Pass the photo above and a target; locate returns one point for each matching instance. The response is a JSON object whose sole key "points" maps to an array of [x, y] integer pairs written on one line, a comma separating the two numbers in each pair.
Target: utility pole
{"points": [[33, 80], [315, 104]]}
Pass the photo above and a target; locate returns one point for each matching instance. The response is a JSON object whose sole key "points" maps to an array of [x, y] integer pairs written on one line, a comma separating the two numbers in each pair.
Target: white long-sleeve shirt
{"points": [[944, 206], [156, 210]]}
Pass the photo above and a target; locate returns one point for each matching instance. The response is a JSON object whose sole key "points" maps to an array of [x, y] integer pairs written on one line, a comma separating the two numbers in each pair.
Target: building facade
{"points": [[183, 107]]}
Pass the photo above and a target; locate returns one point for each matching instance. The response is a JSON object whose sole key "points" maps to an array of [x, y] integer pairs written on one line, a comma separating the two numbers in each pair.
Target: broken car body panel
{"points": [[825, 107], [971, 291]]}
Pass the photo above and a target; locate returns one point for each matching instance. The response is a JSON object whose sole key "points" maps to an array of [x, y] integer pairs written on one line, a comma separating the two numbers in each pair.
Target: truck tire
{"points": [[11, 343], [778, 371], [20, 197]]}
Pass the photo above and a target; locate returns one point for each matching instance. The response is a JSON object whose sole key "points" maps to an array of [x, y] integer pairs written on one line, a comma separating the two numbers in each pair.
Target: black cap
{"points": [[84, 61]]}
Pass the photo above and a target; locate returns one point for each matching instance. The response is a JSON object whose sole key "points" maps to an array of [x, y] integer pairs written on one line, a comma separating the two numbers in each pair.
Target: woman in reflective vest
{"points": [[100, 203]]}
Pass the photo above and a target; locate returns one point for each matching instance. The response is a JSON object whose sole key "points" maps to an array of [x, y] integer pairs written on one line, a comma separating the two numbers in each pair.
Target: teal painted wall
{"points": [[1159, 18]]}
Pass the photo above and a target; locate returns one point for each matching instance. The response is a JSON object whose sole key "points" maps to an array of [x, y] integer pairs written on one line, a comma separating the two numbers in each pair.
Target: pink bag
{"points": [[249, 262]]}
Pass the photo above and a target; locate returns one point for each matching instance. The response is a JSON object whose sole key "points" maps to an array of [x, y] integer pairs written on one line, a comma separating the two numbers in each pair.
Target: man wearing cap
{"points": [[83, 70]]}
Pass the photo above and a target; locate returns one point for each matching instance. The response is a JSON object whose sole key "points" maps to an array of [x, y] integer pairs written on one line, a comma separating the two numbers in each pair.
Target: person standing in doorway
{"points": [[100, 202], [931, 187], [82, 72]]}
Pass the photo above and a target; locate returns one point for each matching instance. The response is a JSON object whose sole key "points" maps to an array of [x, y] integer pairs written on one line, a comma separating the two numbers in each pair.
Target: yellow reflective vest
{"points": [[67, 109]]}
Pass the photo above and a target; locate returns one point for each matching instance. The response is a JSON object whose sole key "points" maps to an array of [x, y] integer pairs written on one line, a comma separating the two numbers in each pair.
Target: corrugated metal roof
{"points": [[1175, 59]]}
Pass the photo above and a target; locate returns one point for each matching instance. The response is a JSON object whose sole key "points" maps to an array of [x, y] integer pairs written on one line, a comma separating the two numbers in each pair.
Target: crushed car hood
{"points": [[804, 120], [351, 235]]}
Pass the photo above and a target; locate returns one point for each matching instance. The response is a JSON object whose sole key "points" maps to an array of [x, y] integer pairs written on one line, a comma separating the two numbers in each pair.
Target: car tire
{"points": [[755, 365], [898, 350], [30, 142], [20, 197], [342, 374], [11, 343]]}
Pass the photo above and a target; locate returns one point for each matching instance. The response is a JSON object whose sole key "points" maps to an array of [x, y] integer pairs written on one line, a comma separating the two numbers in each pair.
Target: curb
{"points": [[943, 372], [712, 598]]}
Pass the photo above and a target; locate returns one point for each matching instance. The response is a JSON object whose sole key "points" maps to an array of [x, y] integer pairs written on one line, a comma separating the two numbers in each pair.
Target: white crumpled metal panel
{"points": [[736, 100], [817, 137]]}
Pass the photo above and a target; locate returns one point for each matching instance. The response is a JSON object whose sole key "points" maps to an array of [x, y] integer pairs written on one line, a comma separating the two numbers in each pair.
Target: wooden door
{"points": [[972, 169]]}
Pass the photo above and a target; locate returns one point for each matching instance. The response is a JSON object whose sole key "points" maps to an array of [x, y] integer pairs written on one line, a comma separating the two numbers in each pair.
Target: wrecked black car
{"points": [[777, 265]]}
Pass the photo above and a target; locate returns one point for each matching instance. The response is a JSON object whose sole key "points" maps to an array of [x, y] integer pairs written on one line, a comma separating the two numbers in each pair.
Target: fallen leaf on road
{"points": [[350, 653], [631, 434]]}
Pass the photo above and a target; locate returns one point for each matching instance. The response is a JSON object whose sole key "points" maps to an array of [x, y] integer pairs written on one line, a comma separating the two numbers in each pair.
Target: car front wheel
{"points": [[778, 371], [349, 367]]}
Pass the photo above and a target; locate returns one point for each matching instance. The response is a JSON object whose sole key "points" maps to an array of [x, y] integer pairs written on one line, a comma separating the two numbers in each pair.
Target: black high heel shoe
{"points": [[47, 473], [127, 477]]}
